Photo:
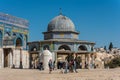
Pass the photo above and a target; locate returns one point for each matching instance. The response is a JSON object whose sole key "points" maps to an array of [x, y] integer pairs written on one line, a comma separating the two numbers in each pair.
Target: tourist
{"points": [[50, 65], [80, 65], [66, 66], [53, 65], [58, 65], [71, 66], [86, 65], [62, 67], [75, 65], [41, 65], [33, 65]]}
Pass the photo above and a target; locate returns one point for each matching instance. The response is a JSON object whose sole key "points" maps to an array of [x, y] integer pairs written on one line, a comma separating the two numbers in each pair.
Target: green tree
{"points": [[105, 48], [110, 46]]}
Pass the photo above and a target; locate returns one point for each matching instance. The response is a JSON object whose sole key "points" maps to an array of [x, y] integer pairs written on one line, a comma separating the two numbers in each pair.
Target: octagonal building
{"points": [[61, 39]]}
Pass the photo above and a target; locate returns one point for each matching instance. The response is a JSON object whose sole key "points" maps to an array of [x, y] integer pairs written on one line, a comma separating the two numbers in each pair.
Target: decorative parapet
{"points": [[20, 31], [9, 19]]}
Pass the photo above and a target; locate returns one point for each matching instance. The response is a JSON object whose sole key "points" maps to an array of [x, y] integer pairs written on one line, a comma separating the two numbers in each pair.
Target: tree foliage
{"points": [[114, 63], [110, 46], [105, 48]]}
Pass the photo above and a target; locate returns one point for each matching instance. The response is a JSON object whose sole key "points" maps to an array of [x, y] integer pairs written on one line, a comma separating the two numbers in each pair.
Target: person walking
{"points": [[41, 66], [66, 66], [75, 66], [53, 65], [50, 66]]}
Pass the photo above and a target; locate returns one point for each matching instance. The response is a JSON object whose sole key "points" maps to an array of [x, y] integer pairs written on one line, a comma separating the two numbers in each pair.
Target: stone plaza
{"points": [[19, 59], [83, 74]]}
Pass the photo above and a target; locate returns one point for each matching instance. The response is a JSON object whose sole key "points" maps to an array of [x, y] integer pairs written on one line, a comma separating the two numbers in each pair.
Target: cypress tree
{"points": [[105, 48], [110, 46]]}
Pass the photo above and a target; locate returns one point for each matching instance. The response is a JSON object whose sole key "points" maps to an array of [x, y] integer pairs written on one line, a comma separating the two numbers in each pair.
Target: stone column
{"points": [[89, 61], [14, 57], [11, 59], [56, 60], [93, 61], [21, 65], [17, 58], [27, 57], [74, 55], [83, 60], [1, 53], [2, 59]]}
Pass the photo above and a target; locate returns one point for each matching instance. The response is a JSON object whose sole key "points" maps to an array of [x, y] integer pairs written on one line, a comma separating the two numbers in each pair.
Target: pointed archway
{"points": [[8, 57], [46, 47], [64, 47], [82, 48], [18, 42], [62, 53]]}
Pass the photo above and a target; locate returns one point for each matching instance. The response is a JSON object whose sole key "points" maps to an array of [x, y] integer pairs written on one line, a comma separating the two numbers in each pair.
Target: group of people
{"points": [[65, 66]]}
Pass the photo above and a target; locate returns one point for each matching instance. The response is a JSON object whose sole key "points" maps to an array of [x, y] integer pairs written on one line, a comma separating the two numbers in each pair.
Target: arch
{"points": [[0, 34], [25, 41], [7, 34], [65, 47], [14, 34], [46, 47], [34, 48], [82, 48], [26, 37], [21, 35], [92, 48], [18, 42]]}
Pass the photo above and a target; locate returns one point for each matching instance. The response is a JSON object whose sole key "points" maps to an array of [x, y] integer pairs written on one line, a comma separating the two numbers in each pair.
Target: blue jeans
{"points": [[66, 67]]}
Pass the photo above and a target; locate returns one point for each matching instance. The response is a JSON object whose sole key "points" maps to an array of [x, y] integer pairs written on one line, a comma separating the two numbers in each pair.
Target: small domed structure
{"points": [[47, 55], [61, 27], [61, 23], [61, 34]]}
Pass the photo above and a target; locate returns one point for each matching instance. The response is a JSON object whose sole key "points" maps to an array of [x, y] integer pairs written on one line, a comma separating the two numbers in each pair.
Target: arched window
{"points": [[21, 35], [64, 47], [46, 47], [34, 48], [91, 48], [82, 48], [7, 34], [18, 42], [14, 34]]}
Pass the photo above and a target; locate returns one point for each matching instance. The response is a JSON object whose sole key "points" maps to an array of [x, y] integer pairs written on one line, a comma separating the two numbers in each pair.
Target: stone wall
{"points": [[1, 51], [25, 59], [14, 57], [24, 55]]}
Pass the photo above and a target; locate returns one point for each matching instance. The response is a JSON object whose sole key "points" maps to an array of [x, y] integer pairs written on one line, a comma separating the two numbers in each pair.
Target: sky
{"points": [[96, 20]]}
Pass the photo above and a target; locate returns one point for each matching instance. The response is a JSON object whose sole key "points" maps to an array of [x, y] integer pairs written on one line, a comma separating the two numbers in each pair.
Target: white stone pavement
{"points": [[84, 74]]}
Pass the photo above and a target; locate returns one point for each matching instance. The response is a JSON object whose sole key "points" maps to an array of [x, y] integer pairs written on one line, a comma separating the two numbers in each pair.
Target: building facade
{"points": [[13, 42], [61, 39]]}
